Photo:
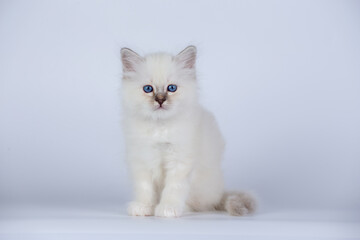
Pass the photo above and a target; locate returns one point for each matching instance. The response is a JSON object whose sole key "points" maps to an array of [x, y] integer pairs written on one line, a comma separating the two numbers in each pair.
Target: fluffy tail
{"points": [[237, 203]]}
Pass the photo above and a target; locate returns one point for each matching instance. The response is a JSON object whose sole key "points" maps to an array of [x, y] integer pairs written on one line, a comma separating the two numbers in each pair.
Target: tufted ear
{"points": [[130, 60], [187, 57]]}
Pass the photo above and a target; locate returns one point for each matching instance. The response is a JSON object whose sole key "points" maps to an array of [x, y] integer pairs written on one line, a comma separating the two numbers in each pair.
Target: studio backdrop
{"points": [[281, 77]]}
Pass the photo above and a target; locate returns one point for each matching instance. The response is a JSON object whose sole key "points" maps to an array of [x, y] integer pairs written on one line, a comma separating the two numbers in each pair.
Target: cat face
{"points": [[159, 85]]}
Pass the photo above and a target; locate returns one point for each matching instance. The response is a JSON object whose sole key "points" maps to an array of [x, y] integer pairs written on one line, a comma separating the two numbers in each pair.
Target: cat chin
{"points": [[161, 108], [161, 113]]}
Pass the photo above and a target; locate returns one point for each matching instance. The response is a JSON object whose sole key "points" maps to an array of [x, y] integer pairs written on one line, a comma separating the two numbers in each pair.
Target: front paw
{"points": [[164, 210], [140, 209]]}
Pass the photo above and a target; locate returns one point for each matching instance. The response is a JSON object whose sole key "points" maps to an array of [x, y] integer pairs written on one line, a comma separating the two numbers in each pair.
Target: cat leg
{"points": [[175, 192], [145, 194]]}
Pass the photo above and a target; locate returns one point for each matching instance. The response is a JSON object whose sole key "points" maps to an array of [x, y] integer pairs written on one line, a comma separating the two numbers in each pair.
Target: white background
{"points": [[282, 78]]}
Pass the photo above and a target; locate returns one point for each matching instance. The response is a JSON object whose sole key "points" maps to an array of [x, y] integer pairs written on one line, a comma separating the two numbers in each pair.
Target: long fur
{"points": [[174, 152]]}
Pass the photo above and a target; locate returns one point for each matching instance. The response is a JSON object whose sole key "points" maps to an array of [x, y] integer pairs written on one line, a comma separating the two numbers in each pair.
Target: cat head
{"points": [[159, 85]]}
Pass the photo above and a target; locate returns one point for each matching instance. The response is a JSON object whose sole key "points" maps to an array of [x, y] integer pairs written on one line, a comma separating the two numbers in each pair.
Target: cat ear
{"points": [[130, 59], [187, 57]]}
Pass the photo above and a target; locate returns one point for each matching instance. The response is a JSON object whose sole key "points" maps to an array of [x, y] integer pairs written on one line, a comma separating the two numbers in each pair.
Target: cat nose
{"points": [[160, 98]]}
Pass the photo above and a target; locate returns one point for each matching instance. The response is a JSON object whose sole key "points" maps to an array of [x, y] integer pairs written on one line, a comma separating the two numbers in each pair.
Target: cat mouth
{"points": [[160, 107]]}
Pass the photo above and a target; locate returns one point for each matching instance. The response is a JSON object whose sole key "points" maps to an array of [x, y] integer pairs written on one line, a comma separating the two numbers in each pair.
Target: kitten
{"points": [[174, 146]]}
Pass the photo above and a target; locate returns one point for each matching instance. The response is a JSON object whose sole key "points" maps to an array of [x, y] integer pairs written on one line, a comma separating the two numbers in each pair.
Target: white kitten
{"points": [[174, 146]]}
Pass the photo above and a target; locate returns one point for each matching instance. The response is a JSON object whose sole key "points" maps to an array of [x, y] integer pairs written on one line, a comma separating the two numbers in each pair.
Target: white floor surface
{"points": [[22, 222]]}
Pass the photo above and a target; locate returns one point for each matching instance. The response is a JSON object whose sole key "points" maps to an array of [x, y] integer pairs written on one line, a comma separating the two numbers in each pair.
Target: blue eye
{"points": [[172, 88], [148, 88]]}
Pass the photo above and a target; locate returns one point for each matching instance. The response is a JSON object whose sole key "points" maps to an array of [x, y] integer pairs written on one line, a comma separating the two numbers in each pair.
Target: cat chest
{"points": [[160, 135]]}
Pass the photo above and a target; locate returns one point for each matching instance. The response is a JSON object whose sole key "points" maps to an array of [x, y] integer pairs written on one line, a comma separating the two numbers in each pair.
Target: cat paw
{"points": [[163, 210], [140, 209]]}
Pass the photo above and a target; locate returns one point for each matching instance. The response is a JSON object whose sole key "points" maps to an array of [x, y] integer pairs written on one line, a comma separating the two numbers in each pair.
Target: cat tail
{"points": [[237, 203]]}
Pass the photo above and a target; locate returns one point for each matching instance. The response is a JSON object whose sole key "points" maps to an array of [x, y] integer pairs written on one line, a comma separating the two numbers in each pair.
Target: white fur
{"points": [[174, 153]]}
